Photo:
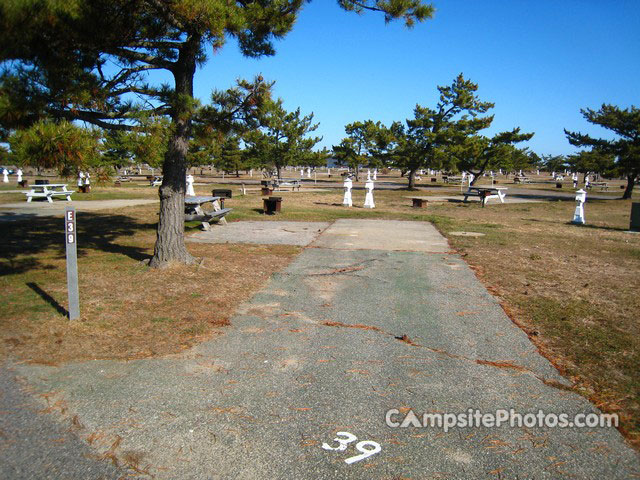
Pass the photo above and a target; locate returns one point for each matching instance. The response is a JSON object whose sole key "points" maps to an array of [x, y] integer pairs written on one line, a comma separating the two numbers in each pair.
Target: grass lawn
{"points": [[574, 290]]}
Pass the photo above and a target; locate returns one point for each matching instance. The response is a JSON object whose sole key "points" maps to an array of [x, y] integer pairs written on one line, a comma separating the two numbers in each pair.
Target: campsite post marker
{"points": [[72, 262]]}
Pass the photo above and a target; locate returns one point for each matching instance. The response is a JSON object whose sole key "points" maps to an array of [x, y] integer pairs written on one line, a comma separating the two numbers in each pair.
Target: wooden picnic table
{"points": [[485, 193], [193, 210], [49, 191]]}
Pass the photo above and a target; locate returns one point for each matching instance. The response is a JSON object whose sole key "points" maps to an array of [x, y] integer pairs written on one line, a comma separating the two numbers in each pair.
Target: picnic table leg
{"points": [[501, 196], [217, 208], [49, 199]]}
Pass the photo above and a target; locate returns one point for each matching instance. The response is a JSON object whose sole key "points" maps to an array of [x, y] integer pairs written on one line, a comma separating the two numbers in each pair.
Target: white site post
{"points": [[368, 198], [578, 216], [348, 185], [190, 191]]}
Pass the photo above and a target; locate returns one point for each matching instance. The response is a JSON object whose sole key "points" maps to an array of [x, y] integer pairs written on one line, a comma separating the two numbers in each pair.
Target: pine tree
{"points": [[626, 148], [282, 138], [360, 147]]}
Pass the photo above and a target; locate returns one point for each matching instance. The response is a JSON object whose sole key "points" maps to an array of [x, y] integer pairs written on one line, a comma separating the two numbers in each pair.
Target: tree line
{"points": [[236, 132], [268, 138]]}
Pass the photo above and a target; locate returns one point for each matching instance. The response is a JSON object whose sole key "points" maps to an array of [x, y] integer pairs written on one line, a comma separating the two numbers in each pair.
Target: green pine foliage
{"points": [[625, 124], [360, 147], [282, 138], [56, 145]]}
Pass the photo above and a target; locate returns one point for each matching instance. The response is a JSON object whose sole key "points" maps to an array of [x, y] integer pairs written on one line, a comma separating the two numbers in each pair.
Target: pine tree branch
{"points": [[132, 55], [95, 118], [165, 11], [155, 44], [124, 74]]}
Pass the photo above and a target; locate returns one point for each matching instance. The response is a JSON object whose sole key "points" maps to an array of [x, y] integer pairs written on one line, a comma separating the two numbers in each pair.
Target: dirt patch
{"points": [[505, 365], [356, 325]]}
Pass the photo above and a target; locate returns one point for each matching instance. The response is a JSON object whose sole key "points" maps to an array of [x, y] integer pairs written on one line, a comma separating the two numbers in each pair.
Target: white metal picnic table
{"points": [[49, 191], [485, 193]]}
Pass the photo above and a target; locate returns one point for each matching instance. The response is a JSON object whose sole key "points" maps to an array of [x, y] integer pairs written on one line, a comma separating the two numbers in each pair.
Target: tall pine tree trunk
{"points": [[631, 180], [412, 178], [170, 246]]}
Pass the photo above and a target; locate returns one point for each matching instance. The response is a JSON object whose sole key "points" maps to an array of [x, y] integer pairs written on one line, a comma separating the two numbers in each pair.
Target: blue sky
{"points": [[539, 62]]}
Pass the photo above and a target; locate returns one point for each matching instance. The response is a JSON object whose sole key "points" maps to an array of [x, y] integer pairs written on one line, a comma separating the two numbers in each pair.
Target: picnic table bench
{"points": [[193, 210], [603, 186], [49, 191], [281, 183], [485, 193], [451, 179]]}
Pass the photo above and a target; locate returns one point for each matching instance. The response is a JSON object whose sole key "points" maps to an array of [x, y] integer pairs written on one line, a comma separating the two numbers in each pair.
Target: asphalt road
{"points": [[33, 445], [359, 324]]}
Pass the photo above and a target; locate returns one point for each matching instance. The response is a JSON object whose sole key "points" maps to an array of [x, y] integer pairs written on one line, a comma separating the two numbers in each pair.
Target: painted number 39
{"points": [[366, 448]]}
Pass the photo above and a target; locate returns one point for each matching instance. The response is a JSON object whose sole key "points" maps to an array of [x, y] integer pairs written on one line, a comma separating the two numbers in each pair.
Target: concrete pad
{"points": [[12, 211], [349, 234], [264, 233]]}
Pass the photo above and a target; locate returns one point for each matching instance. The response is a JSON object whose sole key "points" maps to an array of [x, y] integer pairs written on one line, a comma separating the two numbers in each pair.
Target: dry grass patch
{"points": [[127, 310]]}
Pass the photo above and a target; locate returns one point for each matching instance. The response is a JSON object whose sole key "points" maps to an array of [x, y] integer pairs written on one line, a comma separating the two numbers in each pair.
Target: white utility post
{"points": [[368, 198], [348, 185], [578, 216]]}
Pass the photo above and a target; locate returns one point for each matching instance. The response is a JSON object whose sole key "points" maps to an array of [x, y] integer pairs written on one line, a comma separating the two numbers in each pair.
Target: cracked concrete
{"points": [[330, 345]]}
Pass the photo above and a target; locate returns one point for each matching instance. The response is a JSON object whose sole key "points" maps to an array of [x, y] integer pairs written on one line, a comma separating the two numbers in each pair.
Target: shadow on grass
{"points": [[600, 227], [28, 238], [48, 298]]}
